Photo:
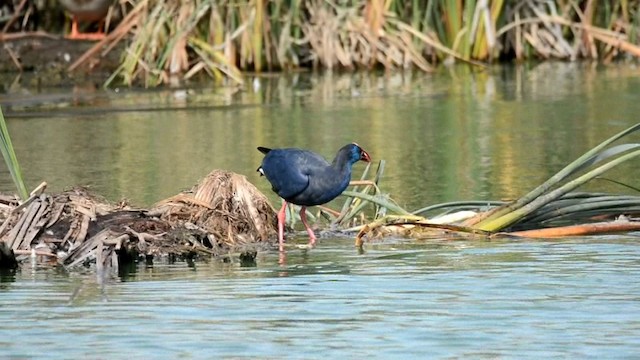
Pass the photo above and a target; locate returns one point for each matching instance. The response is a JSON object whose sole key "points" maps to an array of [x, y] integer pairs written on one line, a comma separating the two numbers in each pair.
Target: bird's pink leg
{"points": [[77, 35], [282, 215], [303, 217], [74, 29]]}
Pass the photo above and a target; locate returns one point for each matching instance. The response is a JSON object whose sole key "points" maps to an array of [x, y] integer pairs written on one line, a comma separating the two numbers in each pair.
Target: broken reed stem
{"points": [[35, 253], [575, 230]]}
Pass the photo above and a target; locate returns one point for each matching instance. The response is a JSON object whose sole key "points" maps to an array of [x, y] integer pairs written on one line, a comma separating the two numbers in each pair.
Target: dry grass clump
{"points": [[360, 38], [226, 206], [565, 30], [174, 40], [223, 214]]}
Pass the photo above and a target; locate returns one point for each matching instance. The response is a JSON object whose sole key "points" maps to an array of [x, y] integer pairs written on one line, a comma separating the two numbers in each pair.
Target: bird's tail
{"points": [[263, 150]]}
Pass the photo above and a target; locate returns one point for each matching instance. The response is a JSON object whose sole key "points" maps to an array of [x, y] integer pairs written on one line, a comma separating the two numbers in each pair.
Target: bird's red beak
{"points": [[364, 156]]}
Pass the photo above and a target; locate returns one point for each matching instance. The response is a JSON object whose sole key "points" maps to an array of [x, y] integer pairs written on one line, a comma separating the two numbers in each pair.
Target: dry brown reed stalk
{"points": [[550, 31], [16, 14], [415, 227], [351, 38], [164, 35], [618, 226], [112, 39]]}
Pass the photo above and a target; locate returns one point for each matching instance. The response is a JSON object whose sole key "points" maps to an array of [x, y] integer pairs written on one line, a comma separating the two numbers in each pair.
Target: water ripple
{"points": [[559, 299]]}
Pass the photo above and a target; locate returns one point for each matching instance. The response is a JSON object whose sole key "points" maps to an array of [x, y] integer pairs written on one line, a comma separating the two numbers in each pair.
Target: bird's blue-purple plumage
{"points": [[305, 178]]}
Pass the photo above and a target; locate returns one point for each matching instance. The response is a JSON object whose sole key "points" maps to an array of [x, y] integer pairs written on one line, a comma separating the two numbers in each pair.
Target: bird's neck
{"points": [[342, 163]]}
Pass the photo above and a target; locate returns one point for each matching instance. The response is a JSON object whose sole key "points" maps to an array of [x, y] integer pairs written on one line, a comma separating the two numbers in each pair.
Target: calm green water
{"points": [[454, 135]]}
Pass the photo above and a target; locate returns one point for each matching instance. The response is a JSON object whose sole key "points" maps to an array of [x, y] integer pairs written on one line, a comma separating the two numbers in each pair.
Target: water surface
{"points": [[438, 299]]}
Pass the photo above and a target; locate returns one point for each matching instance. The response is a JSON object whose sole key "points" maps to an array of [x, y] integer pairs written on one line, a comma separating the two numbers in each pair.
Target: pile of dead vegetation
{"points": [[223, 214]]}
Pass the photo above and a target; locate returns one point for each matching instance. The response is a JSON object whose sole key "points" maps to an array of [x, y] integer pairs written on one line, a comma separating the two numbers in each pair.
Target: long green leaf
{"points": [[510, 218], [577, 208], [570, 169], [10, 158], [378, 200], [568, 200], [347, 204], [604, 155]]}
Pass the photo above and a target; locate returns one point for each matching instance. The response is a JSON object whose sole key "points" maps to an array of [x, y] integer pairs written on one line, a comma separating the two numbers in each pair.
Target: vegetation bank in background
{"points": [[173, 40]]}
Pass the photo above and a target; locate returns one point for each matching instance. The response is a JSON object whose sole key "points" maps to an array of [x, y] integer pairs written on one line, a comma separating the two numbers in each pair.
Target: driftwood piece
{"points": [[4, 225], [39, 221], [87, 249], [17, 235], [57, 211]]}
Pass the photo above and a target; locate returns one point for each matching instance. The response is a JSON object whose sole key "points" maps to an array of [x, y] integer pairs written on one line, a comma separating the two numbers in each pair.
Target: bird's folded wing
{"points": [[289, 171]]}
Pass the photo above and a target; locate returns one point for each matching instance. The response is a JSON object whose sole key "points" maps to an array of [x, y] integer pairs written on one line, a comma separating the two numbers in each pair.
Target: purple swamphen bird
{"points": [[305, 178]]}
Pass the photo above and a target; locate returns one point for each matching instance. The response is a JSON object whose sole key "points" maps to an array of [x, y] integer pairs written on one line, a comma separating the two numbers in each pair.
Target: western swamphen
{"points": [[305, 178], [87, 10]]}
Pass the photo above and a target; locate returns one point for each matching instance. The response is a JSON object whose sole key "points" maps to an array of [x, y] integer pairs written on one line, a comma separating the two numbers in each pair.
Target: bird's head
{"points": [[357, 153]]}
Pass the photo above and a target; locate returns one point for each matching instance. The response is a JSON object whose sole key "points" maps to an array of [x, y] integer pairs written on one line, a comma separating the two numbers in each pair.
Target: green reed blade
{"points": [[514, 216], [9, 155], [590, 158], [377, 199]]}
